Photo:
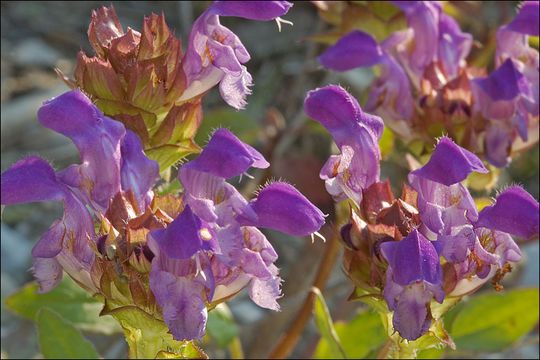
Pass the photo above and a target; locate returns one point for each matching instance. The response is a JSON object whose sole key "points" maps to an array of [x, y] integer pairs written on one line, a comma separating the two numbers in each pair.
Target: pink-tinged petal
{"points": [[526, 21], [253, 264], [515, 212], [137, 172], [456, 244], [48, 273], [498, 143], [411, 318], [454, 45], [260, 10], [449, 164], [265, 292], [97, 138], [226, 156], [183, 305], [395, 86], [255, 240], [355, 49], [423, 18], [496, 94], [234, 88], [214, 53], [281, 207]]}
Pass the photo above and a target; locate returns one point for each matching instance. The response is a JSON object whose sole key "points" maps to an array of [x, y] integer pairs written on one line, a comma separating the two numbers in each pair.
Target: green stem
{"points": [[235, 348]]}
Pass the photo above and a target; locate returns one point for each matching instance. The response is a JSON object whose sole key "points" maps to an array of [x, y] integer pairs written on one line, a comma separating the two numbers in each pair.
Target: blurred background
{"points": [[36, 37]]}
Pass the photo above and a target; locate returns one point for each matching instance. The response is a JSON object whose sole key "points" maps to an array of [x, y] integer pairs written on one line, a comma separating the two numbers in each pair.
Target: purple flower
{"points": [[220, 250], [504, 97], [215, 54], [513, 43], [423, 18], [112, 161], [413, 278], [454, 46], [359, 49], [474, 244], [515, 212], [356, 134], [181, 278]]}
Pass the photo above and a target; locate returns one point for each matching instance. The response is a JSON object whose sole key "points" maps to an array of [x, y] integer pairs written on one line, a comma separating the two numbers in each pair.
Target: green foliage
{"points": [[358, 337], [387, 142], [326, 327], [221, 325], [61, 340], [68, 300], [237, 122], [492, 322]]}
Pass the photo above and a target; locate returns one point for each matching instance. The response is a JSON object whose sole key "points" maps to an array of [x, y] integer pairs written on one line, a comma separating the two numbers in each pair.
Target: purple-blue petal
{"points": [[226, 156], [185, 236], [515, 212], [355, 49], [260, 10], [527, 20], [30, 179], [280, 206], [449, 164], [96, 136], [505, 83], [454, 45], [182, 303], [137, 172], [413, 259], [339, 112]]}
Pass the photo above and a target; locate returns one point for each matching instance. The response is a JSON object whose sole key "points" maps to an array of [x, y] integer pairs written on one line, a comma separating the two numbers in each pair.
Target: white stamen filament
{"points": [[318, 235], [280, 20], [199, 269]]}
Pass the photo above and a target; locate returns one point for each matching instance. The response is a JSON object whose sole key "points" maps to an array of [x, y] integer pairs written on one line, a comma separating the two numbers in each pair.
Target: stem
{"points": [[288, 341], [385, 349], [235, 348]]}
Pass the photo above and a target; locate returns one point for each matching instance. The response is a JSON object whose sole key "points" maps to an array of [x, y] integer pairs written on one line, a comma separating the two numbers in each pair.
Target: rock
{"points": [[34, 52], [16, 256], [21, 112]]}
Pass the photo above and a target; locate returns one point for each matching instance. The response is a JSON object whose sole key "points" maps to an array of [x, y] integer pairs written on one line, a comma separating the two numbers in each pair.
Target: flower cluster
{"points": [[144, 80], [170, 257], [426, 88], [394, 247]]}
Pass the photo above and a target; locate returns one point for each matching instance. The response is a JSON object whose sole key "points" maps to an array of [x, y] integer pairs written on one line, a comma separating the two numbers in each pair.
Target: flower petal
{"points": [[260, 10], [355, 49], [226, 156], [449, 164], [281, 207], [185, 236], [515, 212]]}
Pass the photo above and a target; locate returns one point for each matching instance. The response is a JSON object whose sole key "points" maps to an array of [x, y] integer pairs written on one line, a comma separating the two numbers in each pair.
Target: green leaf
{"points": [[326, 326], [67, 299], [61, 340], [368, 323], [387, 142], [221, 325], [244, 127], [491, 322]]}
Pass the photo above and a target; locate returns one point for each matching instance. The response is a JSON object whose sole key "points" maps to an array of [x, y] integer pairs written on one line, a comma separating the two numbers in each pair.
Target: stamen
{"points": [[318, 235], [280, 20], [199, 269]]}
